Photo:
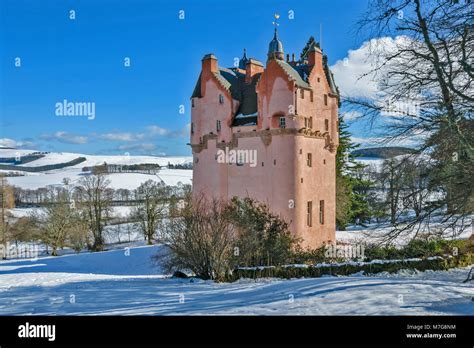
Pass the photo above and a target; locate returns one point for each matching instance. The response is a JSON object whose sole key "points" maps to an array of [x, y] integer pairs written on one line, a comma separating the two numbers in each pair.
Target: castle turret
{"points": [[275, 48]]}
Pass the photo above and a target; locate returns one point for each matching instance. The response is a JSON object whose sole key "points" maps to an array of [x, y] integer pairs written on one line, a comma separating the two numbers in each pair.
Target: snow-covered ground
{"points": [[117, 180], [375, 233], [91, 160], [128, 282]]}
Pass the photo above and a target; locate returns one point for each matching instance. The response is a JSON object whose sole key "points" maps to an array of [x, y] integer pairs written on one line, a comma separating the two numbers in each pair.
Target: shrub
{"points": [[262, 239], [200, 239]]}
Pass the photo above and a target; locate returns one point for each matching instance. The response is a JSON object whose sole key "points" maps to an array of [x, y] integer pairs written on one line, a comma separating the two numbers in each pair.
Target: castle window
{"points": [[301, 180], [221, 99], [218, 125], [192, 102], [309, 160], [326, 99], [282, 122], [296, 104], [302, 93], [301, 151], [197, 160], [326, 125], [324, 161], [321, 212], [305, 122], [192, 128], [240, 159], [310, 122], [311, 96], [319, 80], [309, 214], [274, 162]]}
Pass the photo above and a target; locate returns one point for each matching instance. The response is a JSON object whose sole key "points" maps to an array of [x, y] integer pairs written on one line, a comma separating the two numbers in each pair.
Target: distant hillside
{"points": [[383, 152]]}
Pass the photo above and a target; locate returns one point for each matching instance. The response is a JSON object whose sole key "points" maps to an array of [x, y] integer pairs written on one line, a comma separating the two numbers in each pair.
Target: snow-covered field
{"points": [[127, 282], [117, 180]]}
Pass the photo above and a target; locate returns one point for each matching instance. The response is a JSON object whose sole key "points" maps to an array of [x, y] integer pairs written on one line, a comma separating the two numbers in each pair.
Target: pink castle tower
{"points": [[270, 133]]}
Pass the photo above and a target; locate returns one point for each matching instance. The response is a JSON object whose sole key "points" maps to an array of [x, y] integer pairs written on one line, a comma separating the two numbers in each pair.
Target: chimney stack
{"points": [[315, 56], [253, 67], [209, 63], [209, 67]]}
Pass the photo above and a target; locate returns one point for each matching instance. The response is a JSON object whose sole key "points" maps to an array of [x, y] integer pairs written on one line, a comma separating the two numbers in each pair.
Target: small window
{"points": [[319, 80], [326, 125], [311, 96], [310, 122], [324, 161], [309, 214], [218, 125], [274, 162], [302, 93], [309, 160], [262, 164], [305, 122], [282, 122], [321, 212], [240, 159], [197, 160], [221, 99], [192, 128], [301, 180], [192, 102], [326, 99], [301, 151]]}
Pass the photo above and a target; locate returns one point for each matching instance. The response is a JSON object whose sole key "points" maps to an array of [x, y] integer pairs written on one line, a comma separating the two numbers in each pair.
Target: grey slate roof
{"points": [[293, 74], [234, 81]]}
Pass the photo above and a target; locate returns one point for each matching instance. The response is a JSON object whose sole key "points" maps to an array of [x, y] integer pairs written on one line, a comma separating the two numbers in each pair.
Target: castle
{"points": [[271, 133]]}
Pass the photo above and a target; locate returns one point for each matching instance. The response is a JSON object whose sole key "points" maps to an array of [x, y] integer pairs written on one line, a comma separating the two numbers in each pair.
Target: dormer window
{"points": [[221, 99], [282, 122]]}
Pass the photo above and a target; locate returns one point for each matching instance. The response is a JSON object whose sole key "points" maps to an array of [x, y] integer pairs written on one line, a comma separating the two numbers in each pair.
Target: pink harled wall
{"points": [[281, 175]]}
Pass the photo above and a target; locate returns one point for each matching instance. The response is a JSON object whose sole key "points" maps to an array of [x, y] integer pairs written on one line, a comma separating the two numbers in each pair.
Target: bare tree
{"points": [[57, 219], [200, 240], [151, 209], [7, 201], [425, 84], [95, 196]]}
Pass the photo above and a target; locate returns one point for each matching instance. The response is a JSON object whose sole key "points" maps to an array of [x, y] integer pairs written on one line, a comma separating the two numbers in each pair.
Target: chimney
{"points": [[253, 67], [209, 63], [209, 67], [315, 56]]}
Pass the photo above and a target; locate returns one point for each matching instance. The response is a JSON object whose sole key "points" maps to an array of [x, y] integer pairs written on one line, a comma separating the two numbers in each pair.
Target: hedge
{"points": [[311, 271]]}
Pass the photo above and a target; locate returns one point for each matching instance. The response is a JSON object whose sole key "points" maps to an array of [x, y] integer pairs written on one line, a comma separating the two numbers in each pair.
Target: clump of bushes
{"points": [[212, 238], [416, 248]]}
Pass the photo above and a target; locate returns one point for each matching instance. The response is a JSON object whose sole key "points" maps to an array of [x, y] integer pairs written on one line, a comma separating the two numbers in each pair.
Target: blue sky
{"points": [[137, 108]]}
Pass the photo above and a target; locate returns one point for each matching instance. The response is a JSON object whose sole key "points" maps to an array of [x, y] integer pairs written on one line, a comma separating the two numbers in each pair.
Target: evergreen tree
{"points": [[352, 186], [308, 45]]}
